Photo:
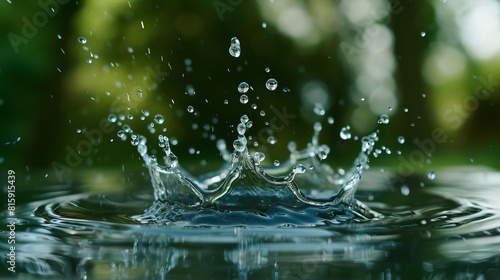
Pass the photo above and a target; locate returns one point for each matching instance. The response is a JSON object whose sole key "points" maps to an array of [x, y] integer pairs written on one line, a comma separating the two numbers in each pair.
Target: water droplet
{"points": [[238, 145], [78, 131], [235, 47], [323, 152], [243, 87], [112, 118], [244, 119], [127, 128], [330, 120], [272, 140], [422, 34], [267, 69], [121, 134], [384, 119], [431, 175], [276, 163], [190, 109], [259, 157], [405, 190], [405, 110], [242, 128], [243, 99], [401, 140], [271, 84], [262, 113], [317, 127], [159, 119], [190, 90], [82, 40], [299, 168], [264, 25], [319, 109], [345, 133], [88, 60]]}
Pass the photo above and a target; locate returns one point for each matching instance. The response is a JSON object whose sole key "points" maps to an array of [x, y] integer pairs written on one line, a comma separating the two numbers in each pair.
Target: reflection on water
{"points": [[448, 229]]}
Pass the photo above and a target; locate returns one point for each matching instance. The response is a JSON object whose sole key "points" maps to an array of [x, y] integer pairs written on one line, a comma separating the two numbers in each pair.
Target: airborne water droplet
{"points": [[401, 140], [235, 48], [190, 109], [159, 119], [319, 109], [405, 190], [243, 87], [242, 128], [272, 140], [271, 84], [431, 175], [238, 145], [259, 157], [112, 118], [345, 133], [384, 119], [82, 40], [244, 99]]}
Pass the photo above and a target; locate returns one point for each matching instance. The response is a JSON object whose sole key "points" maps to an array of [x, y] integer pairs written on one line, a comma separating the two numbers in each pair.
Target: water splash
{"points": [[243, 184]]}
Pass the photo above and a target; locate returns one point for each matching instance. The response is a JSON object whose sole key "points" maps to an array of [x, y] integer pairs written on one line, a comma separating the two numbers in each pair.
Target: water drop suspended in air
{"points": [[244, 119], [401, 140], [272, 140], [238, 145], [82, 40], [384, 119], [319, 109], [422, 34], [235, 48], [243, 99], [190, 109], [271, 84], [259, 157], [159, 119], [112, 118], [431, 175], [405, 190], [242, 128], [345, 133], [243, 87]]}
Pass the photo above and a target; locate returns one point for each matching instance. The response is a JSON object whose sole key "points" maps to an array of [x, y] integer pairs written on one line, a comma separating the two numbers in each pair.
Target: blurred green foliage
{"points": [[50, 90]]}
